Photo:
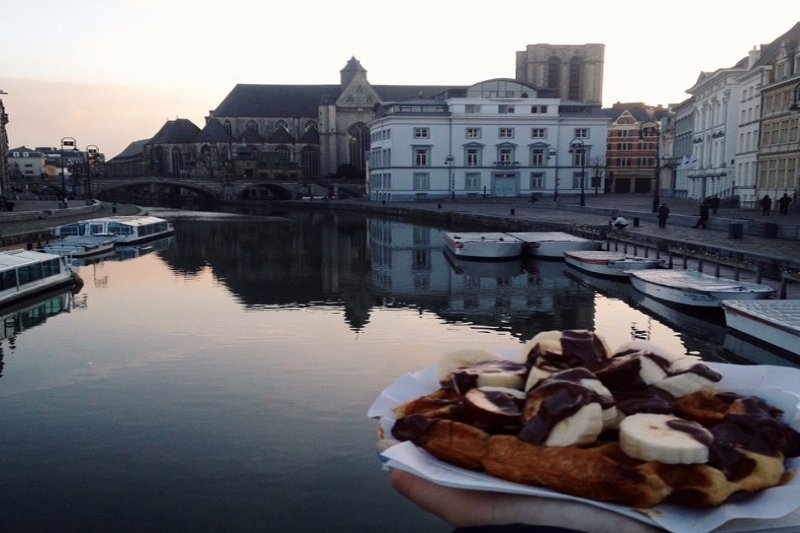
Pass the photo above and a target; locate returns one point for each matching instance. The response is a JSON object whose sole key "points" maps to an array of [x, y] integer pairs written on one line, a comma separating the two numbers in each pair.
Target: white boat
{"points": [[615, 264], [24, 273], [552, 244], [776, 322], [691, 287], [81, 246], [483, 245], [126, 229]]}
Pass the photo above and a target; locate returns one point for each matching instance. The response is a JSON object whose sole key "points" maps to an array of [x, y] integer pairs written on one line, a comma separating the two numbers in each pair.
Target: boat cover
{"points": [[785, 313], [694, 280]]}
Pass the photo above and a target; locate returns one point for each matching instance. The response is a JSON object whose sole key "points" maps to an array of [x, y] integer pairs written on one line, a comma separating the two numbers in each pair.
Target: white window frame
{"points": [[506, 133], [537, 180], [472, 181], [538, 133], [422, 181], [472, 156], [421, 156], [582, 133], [472, 133], [422, 133]]}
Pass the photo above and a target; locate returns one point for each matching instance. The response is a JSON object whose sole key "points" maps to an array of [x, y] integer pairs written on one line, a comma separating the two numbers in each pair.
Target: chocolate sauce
{"points": [[465, 378], [558, 400], [695, 430], [412, 427], [644, 400], [495, 412], [582, 348]]}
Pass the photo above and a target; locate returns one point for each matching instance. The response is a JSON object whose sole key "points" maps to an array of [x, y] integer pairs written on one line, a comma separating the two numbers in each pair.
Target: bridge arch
{"points": [[199, 190], [265, 190]]}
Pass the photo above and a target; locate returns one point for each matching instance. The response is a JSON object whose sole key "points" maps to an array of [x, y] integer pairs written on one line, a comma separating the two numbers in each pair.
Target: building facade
{"points": [[498, 138], [4, 176], [574, 72]]}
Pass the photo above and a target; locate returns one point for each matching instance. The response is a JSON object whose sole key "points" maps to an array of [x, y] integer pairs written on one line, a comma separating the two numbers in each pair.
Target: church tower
{"points": [[574, 71]]}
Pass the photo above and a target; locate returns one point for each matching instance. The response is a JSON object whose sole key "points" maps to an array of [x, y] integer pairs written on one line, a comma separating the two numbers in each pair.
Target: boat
{"points": [[484, 269], [483, 245], [24, 273], [552, 244], [606, 263], [776, 322], [81, 246], [691, 287], [127, 229]]}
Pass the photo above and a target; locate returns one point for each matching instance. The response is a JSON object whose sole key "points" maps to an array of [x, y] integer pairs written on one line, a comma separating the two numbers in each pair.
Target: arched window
{"points": [[309, 161], [575, 78], [358, 140], [554, 72], [281, 125], [310, 125], [228, 127], [252, 126]]}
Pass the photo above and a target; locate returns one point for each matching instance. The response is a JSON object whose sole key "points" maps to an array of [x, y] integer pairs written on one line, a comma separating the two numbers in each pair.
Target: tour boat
{"points": [[615, 264], [81, 246], [552, 244], [24, 273], [127, 229], [691, 287], [776, 322], [483, 245]]}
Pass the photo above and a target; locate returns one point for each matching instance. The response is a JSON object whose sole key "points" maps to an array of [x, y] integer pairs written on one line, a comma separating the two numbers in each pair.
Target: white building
{"points": [[498, 138], [747, 144], [27, 163]]}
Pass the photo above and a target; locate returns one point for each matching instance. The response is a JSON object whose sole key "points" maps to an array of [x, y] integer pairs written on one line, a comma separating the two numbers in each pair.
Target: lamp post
{"points": [[577, 147], [551, 154], [451, 175], [66, 141], [657, 168], [92, 153]]}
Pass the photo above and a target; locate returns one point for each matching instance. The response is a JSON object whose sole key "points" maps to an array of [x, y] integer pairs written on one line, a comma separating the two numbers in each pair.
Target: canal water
{"points": [[218, 381]]}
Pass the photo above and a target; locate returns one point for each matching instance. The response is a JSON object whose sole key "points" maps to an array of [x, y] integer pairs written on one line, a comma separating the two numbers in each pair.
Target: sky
{"points": [[110, 72]]}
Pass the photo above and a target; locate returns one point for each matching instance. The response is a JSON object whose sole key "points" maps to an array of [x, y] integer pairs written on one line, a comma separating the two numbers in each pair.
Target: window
{"points": [[506, 133], [472, 181], [537, 157], [623, 161], [505, 155], [537, 180], [422, 181], [538, 133], [582, 133], [421, 157], [472, 108], [473, 133], [538, 109], [506, 109], [624, 146], [421, 133], [473, 157], [577, 178]]}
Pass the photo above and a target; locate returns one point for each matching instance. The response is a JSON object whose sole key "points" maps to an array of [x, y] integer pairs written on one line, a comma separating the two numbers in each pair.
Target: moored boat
{"points": [[607, 263], [24, 273], [81, 246], [776, 322], [552, 244], [483, 245], [126, 229], [691, 287]]}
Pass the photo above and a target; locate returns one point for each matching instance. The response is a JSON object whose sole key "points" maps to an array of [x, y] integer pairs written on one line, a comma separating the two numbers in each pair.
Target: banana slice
{"points": [[686, 376], [464, 357], [535, 376], [640, 345], [561, 413], [664, 438], [632, 371]]}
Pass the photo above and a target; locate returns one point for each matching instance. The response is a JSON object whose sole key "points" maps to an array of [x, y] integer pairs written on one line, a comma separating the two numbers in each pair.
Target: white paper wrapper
{"points": [[775, 510]]}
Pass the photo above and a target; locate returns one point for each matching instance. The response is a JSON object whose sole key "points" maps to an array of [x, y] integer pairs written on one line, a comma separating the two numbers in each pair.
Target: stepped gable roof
{"points": [[251, 100], [310, 136], [214, 132], [133, 150], [176, 131], [280, 135]]}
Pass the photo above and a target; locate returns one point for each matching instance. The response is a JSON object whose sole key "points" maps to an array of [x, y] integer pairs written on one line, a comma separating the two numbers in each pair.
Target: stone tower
{"points": [[574, 71]]}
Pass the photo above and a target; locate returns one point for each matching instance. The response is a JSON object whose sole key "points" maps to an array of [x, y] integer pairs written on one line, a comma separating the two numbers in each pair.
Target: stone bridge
{"points": [[207, 189]]}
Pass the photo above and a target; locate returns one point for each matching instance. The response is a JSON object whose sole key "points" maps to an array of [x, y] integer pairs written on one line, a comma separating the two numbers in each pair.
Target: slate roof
{"points": [[770, 51], [280, 135], [311, 136], [214, 132], [250, 100], [176, 131], [133, 150]]}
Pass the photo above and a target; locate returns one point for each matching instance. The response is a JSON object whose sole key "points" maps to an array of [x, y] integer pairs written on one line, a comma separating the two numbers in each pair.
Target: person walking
{"points": [[766, 204], [663, 214], [703, 216], [714, 202], [784, 203]]}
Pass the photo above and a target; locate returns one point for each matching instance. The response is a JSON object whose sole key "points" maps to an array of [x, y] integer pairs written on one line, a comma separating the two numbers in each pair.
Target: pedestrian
{"points": [[714, 203], [766, 204], [703, 216], [619, 222], [783, 204], [663, 214]]}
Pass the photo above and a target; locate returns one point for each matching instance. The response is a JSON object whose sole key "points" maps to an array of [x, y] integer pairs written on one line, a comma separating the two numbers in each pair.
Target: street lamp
{"points": [[66, 141], [657, 168], [92, 154], [451, 175], [577, 147], [551, 154]]}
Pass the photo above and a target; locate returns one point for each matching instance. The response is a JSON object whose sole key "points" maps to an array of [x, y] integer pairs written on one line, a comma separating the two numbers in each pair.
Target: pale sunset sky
{"points": [[110, 72]]}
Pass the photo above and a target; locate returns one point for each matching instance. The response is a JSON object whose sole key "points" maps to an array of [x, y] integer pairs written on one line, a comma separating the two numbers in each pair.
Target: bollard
{"points": [[635, 222], [439, 205], [512, 211]]}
